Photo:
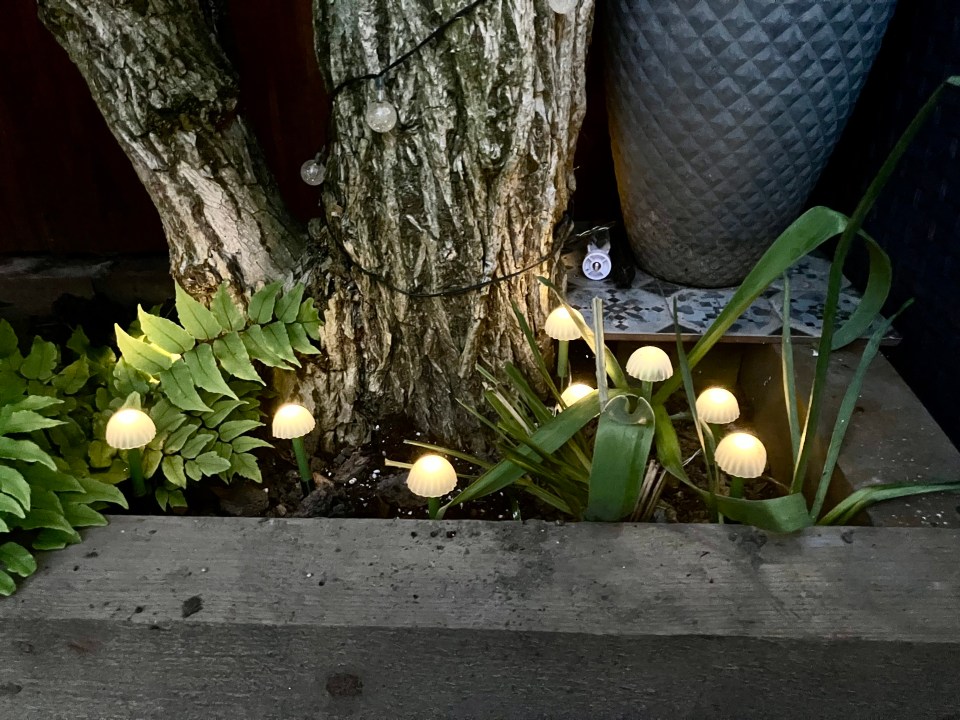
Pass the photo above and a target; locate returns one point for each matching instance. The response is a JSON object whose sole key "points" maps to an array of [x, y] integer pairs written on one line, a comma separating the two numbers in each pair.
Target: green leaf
{"points": [[299, 340], [176, 499], [40, 477], [9, 505], [260, 309], [101, 455], [151, 461], [48, 539], [226, 311], [212, 464], [221, 409], [848, 508], [197, 444], [41, 518], [309, 317], [24, 421], [17, 559], [8, 340], [34, 402], [13, 484], [195, 318], [206, 374], [73, 377], [245, 443], [166, 416], [278, 342], [621, 449], [177, 385], [245, 465], [140, 355], [25, 451], [129, 379], [236, 428], [96, 491], [162, 496], [176, 440], [165, 333], [288, 306], [80, 515], [7, 586], [41, 361], [232, 354], [172, 467], [258, 348]]}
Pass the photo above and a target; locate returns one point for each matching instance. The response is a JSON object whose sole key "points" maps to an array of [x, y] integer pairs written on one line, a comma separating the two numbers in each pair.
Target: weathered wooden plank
{"points": [[485, 620]]}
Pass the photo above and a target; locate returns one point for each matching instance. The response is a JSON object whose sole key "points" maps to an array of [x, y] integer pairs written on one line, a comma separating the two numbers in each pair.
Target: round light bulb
{"points": [[575, 392], [561, 326], [650, 364], [741, 455], [381, 116], [432, 476], [312, 172], [562, 7], [129, 428], [292, 421], [717, 406]]}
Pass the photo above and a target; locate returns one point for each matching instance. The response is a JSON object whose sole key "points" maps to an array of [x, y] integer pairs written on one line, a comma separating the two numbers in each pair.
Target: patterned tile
{"points": [[645, 308]]}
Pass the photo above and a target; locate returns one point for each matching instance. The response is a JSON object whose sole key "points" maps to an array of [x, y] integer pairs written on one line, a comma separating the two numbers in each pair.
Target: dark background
{"points": [[66, 188]]}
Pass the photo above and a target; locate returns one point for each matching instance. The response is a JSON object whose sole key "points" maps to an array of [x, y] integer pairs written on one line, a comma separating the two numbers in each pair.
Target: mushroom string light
{"points": [[649, 364], [432, 477], [575, 392], [561, 326], [130, 429], [292, 422], [740, 455]]}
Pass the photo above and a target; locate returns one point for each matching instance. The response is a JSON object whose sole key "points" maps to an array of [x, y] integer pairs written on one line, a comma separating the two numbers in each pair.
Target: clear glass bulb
{"points": [[381, 116], [312, 172], [562, 7]]}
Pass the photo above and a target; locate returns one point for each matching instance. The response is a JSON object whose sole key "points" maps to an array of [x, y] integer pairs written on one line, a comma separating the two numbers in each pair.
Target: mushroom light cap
{"points": [[292, 421], [650, 364], [741, 455], [561, 326], [432, 476], [717, 406], [575, 392], [129, 428]]}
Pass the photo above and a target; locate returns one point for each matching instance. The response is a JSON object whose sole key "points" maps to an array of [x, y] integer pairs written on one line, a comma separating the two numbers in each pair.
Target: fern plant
{"points": [[199, 382], [47, 487]]}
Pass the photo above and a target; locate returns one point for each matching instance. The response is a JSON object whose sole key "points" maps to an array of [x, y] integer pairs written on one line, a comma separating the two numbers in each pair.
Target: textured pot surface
{"points": [[722, 117]]}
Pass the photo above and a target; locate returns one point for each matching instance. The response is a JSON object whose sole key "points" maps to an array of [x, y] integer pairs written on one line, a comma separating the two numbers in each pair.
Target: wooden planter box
{"points": [[200, 618]]}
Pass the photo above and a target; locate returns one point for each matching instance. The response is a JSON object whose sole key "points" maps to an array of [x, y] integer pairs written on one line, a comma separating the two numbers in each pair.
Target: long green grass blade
{"points": [[547, 497], [847, 406], [620, 454], [852, 229], [789, 378], [549, 437], [857, 501], [541, 365], [472, 459]]}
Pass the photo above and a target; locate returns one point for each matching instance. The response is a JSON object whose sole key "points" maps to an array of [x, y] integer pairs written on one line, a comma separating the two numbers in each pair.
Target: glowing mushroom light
{"points": [[575, 392], [130, 429], [649, 364], [432, 477], [740, 455], [292, 422], [717, 406], [561, 326]]}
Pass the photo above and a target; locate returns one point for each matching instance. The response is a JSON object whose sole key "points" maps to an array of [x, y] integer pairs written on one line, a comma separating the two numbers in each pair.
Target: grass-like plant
{"points": [[549, 456]]}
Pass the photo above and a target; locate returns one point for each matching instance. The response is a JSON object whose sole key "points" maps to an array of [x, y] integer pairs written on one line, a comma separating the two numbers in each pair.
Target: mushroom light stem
{"points": [[292, 422], [130, 429], [562, 327]]}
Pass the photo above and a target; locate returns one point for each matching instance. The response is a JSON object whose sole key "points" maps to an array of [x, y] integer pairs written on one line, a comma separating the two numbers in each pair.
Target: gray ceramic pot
{"points": [[723, 114]]}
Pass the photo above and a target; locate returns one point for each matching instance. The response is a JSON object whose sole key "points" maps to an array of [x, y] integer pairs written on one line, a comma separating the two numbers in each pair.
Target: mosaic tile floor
{"points": [[643, 311]]}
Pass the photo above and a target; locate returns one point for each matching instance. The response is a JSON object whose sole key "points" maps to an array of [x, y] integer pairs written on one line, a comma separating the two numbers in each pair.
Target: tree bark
{"points": [[467, 189]]}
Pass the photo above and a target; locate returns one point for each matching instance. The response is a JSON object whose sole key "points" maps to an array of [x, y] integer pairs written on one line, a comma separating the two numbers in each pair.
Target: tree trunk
{"points": [[467, 189]]}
